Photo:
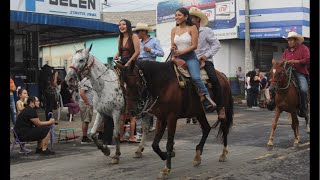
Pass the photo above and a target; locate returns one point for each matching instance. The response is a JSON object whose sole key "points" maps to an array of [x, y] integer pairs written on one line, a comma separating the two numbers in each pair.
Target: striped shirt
{"points": [[208, 44], [86, 85]]}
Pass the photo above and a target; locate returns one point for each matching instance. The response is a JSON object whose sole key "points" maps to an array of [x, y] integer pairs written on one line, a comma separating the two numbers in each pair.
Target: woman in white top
{"points": [[184, 40]]}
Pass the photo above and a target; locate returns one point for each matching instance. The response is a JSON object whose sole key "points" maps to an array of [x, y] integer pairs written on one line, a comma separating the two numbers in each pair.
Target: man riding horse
{"points": [[298, 56], [208, 46]]}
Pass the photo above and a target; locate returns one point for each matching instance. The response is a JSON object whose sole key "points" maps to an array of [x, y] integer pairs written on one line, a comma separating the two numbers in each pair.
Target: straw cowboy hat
{"points": [[295, 35], [197, 12], [142, 26]]}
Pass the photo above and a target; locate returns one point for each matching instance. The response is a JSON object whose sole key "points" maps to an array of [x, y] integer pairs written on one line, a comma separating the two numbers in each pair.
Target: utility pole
{"points": [[248, 60]]}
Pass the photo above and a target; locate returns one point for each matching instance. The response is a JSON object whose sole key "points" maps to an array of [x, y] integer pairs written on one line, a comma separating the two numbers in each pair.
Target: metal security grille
{"points": [[30, 56]]}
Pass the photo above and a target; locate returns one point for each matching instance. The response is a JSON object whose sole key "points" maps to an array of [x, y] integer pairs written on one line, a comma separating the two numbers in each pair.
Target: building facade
{"points": [[36, 23]]}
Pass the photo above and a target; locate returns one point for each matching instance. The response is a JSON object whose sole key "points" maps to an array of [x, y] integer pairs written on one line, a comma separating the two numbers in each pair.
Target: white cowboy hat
{"points": [[293, 34], [197, 12], [142, 26]]}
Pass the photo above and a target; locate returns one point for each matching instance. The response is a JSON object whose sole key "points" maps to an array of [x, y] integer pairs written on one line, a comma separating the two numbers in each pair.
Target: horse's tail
{"points": [[225, 124]]}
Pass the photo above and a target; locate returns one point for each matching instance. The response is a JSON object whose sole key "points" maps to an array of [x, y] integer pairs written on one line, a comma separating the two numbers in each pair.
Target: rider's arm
{"points": [[305, 55], [157, 50], [173, 46], [136, 44], [117, 55], [214, 43]]}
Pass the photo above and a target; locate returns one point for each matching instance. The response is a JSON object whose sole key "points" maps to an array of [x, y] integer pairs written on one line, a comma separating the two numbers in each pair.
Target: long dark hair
{"points": [[130, 41], [185, 12], [31, 99]]}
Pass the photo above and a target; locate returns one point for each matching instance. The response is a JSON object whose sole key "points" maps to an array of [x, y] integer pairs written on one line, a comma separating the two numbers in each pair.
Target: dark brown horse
{"points": [[286, 99], [168, 102]]}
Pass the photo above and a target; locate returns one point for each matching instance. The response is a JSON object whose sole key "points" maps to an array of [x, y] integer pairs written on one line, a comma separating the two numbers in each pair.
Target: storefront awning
{"points": [[46, 19]]}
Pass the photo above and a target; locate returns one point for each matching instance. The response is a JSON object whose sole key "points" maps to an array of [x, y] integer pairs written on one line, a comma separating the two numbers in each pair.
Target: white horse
{"points": [[108, 99]]}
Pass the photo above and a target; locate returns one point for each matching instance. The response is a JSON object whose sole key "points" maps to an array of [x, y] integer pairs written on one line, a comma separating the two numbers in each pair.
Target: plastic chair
{"points": [[17, 141]]}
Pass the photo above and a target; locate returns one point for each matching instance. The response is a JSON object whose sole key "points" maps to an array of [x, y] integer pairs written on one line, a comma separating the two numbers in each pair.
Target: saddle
{"points": [[183, 74]]}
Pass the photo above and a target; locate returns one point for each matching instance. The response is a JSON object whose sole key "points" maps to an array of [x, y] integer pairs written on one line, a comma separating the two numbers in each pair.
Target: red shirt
{"points": [[301, 53]]}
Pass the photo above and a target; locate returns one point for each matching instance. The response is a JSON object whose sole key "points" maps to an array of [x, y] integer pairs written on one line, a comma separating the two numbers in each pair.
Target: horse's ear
{"points": [[90, 47], [273, 62], [120, 66], [85, 45]]}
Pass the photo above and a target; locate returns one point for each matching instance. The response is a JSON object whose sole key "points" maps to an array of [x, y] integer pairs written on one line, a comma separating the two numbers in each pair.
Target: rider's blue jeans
{"points": [[303, 83], [194, 69], [13, 110]]}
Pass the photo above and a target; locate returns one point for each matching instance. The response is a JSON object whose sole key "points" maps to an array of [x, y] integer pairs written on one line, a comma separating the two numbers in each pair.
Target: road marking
{"points": [[264, 156]]}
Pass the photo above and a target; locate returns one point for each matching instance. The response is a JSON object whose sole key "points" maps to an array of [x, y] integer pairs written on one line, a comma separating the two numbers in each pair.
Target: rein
{"points": [[289, 72], [144, 102], [86, 67]]}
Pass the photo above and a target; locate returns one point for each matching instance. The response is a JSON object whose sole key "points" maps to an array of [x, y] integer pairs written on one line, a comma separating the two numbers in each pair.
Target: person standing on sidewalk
{"points": [[241, 80], [150, 49], [86, 107]]}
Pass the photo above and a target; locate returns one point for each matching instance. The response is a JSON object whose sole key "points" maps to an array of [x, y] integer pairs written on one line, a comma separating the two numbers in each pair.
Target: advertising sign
{"points": [[221, 14], [75, 8], [276, 32]]}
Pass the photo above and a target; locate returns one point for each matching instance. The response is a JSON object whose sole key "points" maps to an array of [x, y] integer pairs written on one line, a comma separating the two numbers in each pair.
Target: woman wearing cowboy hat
{"points": [[149, 46], [298, 56], [208, 46]]}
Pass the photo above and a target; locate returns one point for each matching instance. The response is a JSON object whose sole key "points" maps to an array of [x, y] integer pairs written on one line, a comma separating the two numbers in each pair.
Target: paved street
{"points": [[248, 156]]}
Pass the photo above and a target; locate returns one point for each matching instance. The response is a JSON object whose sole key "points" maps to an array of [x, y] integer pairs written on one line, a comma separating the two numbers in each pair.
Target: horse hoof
{"points": [[164, 173], [222, 159], [295, 145], [269, 147], [138, 155], [115, 160], [196, 163], [106, 151]]}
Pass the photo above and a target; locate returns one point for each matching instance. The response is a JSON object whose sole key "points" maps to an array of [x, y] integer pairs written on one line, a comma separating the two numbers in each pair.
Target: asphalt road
{"points": [[248, 156]]}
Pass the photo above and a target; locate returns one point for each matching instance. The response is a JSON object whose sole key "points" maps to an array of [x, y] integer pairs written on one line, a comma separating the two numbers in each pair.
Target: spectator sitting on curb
{"points": [[30, 128]]}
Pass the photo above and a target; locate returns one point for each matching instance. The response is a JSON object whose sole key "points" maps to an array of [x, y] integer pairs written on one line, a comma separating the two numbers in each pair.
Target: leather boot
{"points": [[222, 113]]}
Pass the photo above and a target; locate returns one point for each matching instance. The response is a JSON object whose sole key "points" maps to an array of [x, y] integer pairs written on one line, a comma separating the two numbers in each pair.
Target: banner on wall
{"points": [[221, 14], [76, 8]]}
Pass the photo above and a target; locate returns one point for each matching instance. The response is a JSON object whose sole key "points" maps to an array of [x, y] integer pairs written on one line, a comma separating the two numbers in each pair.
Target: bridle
{"points": [[281, 78], [144, 99], [84, 67]]}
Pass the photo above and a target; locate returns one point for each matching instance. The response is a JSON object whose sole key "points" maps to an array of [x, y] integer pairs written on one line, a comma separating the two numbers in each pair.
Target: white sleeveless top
{"points": [[183, 41]]}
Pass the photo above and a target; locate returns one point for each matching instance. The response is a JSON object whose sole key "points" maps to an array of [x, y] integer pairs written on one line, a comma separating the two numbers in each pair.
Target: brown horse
{"points": [[157, 82], [286, 99]]}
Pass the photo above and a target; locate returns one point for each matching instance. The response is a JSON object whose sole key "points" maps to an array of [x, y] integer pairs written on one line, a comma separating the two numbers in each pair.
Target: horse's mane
{"points": [[157, 73]]}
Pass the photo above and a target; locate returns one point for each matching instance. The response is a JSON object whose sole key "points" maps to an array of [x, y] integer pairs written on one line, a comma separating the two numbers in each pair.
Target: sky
{"points": [[129, 5]]}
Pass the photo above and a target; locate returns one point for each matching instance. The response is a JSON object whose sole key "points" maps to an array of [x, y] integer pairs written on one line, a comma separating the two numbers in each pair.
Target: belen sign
{"points": [[76, 8]]}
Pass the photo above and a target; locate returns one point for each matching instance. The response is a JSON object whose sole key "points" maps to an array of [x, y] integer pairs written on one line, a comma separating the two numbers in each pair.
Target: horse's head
{"points": [[81, 61], [80, 66], [278, 75], [133, 79], [135, 86]]}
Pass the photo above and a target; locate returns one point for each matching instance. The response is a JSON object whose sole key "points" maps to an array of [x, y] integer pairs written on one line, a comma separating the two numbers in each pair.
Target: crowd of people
{"points": [[256, 85], [191, 41]]}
